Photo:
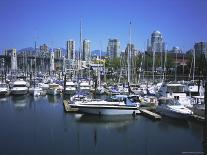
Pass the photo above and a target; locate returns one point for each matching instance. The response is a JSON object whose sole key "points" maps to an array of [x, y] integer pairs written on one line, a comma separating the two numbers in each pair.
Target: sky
{"points": [[22, 22]]}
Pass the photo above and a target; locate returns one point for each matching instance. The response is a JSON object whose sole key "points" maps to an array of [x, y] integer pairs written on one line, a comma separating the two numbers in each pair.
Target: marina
{"points": [[104, 77]]}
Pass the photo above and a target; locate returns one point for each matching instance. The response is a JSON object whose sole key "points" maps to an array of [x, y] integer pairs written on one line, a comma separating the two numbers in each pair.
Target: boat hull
{"points": [[70, 91], [53, 92], [19, 92], [173, 114], [107, 110]]}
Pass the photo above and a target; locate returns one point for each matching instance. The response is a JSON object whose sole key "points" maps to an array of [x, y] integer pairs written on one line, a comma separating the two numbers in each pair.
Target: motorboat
{"points": [[54, 89], [172, 108], [100, 90], [114, 105], [85, 86], [198, 105], [70, 88], [36, 90], [19, 87], [3, 89], [177, 91]]}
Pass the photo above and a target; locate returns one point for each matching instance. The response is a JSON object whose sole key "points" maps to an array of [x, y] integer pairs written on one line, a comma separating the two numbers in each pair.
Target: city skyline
{"points": [[181, 22]]}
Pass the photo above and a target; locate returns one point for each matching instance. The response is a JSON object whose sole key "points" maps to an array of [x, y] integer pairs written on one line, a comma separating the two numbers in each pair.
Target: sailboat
{"points": [[100, 89], [35, 90]]}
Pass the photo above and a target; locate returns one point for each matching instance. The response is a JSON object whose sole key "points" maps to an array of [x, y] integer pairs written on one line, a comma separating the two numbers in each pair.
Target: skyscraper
{"points": [[157, 44], [52, 62], [133, 50], [13, 59], [58, 53], [44, 50], [113, 48], [86, 50], [201, 47], [70, 49]]}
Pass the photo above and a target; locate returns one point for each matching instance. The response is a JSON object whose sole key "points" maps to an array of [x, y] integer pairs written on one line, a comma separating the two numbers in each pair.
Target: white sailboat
{"points": [[100, 89], [35, 90]]}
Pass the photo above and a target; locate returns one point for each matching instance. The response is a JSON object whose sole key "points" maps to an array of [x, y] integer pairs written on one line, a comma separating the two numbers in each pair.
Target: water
{"points": [[41, 127]]}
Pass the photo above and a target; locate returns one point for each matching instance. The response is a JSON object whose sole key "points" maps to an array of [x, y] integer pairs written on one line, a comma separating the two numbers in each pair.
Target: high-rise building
{"points": [[201, 47], [58, 53], [70, 49], [52, 62], [132, 48], [86, 50], [13, 54], [157, 44], [44, 48], [113, 48], [13, 59]]}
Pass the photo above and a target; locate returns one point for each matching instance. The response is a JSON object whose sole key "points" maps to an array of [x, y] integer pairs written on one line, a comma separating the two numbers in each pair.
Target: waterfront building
{"points": [[86, 50], [58, 53], [201, 47], [44, 49], [52, 62], [113, 48], [13, 54], [132, 48], [157, 44], [176, 50], [70, 47]]}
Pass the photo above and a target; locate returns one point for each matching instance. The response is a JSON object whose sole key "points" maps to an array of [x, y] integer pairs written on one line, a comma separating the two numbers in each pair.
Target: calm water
{"points": [[40, 127]]}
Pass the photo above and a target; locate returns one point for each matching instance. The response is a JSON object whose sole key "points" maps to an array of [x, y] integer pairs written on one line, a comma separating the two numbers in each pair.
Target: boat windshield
{"points": [[170, 102], [114, 99], [21, 85], [177, 89], [2, 85]]}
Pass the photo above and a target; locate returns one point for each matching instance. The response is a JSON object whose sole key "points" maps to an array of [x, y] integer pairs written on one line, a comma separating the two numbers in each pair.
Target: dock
{"points": [[198, 118], [150, 114], [68, 108]]}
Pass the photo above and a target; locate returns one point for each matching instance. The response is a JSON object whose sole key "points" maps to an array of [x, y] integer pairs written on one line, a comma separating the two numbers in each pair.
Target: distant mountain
{"points": [[29, 49], [93, 53]]}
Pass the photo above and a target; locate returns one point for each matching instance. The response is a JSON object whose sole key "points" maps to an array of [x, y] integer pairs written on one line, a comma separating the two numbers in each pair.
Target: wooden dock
{"points": [[68, 108], [198, 118], [150, 114]]}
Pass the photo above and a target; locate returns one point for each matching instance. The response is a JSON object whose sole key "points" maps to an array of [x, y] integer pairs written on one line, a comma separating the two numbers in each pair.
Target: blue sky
{"points": [[181, 22]]}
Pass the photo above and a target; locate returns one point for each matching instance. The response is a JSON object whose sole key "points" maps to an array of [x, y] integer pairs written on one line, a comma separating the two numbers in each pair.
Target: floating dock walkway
{"points": [[198, 118], [68, 108], [150, 114]]}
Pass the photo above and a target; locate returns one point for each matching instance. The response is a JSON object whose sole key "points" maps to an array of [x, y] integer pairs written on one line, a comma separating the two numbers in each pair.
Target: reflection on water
{"points": [[42, 128], [105, 121], [54, 99], [20, 102]]}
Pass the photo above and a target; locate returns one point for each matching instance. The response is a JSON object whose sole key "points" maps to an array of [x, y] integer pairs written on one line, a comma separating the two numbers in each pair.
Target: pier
{"points": [[150, 114], [68, 108]]}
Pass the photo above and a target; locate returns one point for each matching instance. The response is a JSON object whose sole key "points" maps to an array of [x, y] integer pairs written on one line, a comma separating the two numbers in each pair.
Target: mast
{"points": [[193, 64], [165, 62], [129, 55], [153, 66], [176, 65], [183, 65], [35, 62], [80, 51]]}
